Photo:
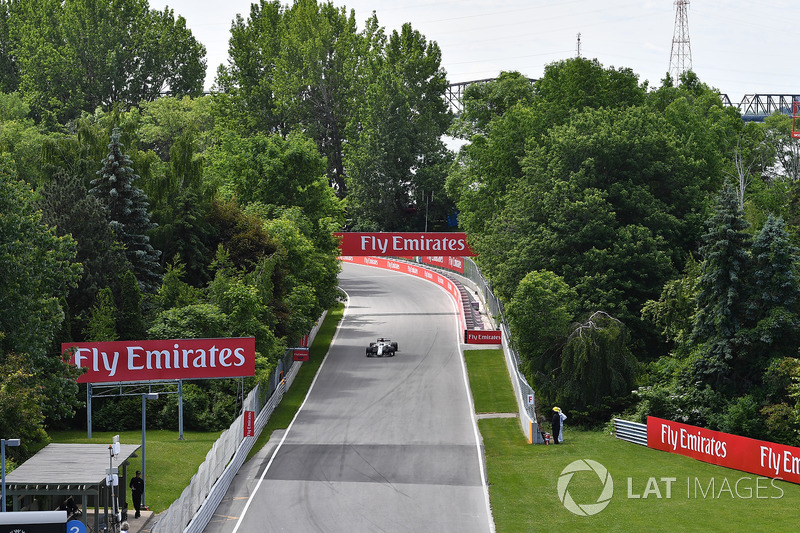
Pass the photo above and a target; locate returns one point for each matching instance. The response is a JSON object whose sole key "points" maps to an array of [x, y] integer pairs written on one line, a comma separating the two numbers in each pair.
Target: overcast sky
{"points": [[738, 46]]}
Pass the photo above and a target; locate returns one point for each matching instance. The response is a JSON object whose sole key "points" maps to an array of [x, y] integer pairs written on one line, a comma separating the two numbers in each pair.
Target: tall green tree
{"points": [[273, 172], [722, 294], [68, 207], [541, 314], [490, 164], [397, 161], [38, 268], [772, 322], [596, 362], [314, 86], [127, 210], [9, 75], [102, 323], [486, 101], [21, 405], [130, 323], [573, 85], [778, 137], [80, 54], [248, 78]]}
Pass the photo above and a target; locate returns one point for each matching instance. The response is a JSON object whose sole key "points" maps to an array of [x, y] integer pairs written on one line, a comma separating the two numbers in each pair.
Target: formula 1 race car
{"points": [[382, 348]]}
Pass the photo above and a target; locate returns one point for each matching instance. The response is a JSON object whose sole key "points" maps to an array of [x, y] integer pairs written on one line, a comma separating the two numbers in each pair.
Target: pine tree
{"points": [[68, 207], [722, 298], [774, 270], [126, 207], [772, 310]]}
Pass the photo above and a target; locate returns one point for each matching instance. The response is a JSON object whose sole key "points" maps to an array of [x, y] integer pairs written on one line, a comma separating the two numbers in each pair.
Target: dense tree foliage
{"points": [[398, 161], [591, 199], [127, 211], [373, 105], [589, 176], [38, 271], [67, 207], [77, 55], [722, 296]]}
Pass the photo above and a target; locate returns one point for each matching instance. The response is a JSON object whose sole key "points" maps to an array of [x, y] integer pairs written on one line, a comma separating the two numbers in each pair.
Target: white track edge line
{"points": [[288, 429]]}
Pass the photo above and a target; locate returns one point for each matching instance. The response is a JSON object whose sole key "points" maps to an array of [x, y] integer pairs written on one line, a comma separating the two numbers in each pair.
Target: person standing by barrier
{"points": [[137, 488], [561, 426], [556, 423]]}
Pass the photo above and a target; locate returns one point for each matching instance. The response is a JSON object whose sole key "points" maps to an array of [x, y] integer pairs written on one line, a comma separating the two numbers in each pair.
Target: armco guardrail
{"points": [[195, 507], [626, 430]]}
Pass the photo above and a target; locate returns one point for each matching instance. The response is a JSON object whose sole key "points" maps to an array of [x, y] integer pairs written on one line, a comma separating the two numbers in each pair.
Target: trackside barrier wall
{"points": [[414, 270], [634, 432], [526, 397], [193, 510], [522, 390]]}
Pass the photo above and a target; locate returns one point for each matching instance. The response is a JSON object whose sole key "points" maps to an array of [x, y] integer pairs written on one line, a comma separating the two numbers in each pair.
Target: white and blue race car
{"points": [[382, 348]]}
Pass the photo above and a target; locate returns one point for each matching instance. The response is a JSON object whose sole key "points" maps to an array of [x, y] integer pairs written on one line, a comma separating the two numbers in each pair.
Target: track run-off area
{"points": [[380, 443]]}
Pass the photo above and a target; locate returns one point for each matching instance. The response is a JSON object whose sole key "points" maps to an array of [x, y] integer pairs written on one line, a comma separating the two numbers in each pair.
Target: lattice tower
{"points": [[680, 59]]}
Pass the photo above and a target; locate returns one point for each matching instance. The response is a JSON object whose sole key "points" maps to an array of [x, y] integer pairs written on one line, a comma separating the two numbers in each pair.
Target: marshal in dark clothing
{"points": [[556, 422], [137, 488]]}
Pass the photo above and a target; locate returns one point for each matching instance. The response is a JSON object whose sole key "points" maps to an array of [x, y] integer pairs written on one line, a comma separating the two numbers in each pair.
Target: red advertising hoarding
{"points": [[122, 361], [249, 423], [480, 336], [450, 262], [404, 244], [300, 353], [758, 457]]}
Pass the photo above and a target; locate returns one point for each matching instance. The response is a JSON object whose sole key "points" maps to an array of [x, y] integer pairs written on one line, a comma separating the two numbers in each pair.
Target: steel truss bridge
{"points": [[753, 107]]}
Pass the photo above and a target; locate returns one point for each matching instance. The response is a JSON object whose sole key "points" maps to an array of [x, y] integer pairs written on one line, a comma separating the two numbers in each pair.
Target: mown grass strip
{"points": [[523, 482], [489, 381], [667, 492]]}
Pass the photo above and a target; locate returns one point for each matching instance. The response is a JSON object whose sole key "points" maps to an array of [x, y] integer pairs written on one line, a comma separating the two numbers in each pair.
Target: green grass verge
{"points": [[523, 489], [171, 463], [489, 381]]}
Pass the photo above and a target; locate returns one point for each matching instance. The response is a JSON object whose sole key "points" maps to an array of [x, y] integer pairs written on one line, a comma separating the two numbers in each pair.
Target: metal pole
{"points": [[180, 409], [89, 408], [144, 420], [145, 397], [111, 485], [3, 444], [3, 448]]}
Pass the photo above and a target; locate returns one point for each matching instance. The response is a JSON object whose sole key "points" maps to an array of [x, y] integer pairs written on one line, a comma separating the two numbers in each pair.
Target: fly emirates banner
{"points": [[758, 457], [123, 361], [404, 244]]}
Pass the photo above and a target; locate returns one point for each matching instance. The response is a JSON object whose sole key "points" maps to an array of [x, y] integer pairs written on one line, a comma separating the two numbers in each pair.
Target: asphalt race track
{"points": [[380, 444]]}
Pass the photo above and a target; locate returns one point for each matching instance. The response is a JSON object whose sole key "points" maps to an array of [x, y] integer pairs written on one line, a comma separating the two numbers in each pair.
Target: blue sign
{"points": [[76, 526]]}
